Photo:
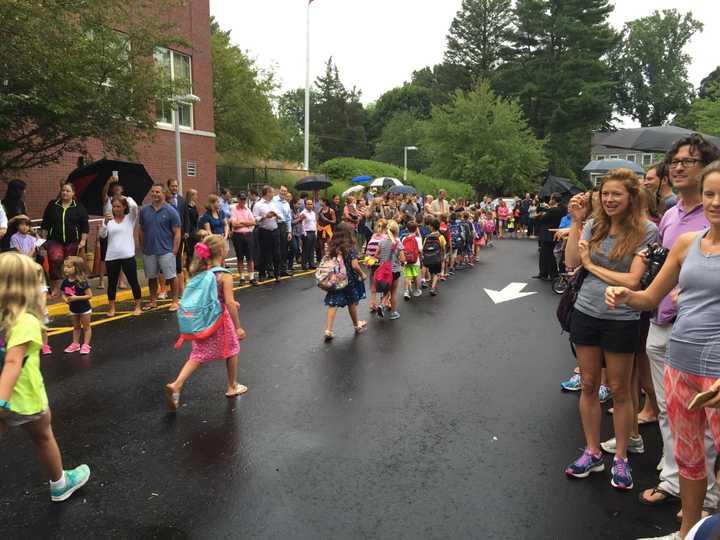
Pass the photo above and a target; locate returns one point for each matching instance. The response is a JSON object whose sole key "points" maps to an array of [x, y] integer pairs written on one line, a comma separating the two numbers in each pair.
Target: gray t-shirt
{"points": [[591, 298], [386, 252]]}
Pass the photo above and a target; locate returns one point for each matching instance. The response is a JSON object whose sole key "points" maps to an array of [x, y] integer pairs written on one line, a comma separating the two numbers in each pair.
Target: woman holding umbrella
{"points": [[65, 222]]}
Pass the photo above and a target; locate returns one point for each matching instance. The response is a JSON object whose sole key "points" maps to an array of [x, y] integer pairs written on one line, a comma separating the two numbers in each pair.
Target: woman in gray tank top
{"points": [[693, 361]]}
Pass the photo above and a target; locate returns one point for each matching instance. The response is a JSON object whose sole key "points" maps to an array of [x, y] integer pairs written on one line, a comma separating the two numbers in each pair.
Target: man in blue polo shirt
{"points": [[159, 240]]}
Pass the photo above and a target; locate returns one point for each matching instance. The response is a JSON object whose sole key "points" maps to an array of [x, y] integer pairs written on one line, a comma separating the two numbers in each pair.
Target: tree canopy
{"points": [[73, 71]]}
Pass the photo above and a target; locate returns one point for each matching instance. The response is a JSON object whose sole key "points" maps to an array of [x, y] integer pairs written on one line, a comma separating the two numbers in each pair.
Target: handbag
{"points": [[567, 299]]}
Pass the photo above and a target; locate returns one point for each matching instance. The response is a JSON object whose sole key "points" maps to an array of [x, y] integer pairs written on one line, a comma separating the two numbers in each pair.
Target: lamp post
{"points": [[307, 90], [406, 151], [179, 100]]}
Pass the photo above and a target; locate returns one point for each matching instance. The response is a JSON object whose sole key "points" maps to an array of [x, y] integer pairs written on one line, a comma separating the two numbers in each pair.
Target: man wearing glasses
{"points": [[685, 161]]}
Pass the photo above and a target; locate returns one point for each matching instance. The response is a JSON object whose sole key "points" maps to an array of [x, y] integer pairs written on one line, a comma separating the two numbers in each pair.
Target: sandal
{"points": [[645, 421], [239, 390], [666, 497], [328, 335], [361, 326], [172, 398], [149, 307]]}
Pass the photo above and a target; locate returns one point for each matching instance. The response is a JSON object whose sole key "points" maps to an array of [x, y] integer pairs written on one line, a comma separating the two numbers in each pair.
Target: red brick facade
{"points": [[193, 23]]}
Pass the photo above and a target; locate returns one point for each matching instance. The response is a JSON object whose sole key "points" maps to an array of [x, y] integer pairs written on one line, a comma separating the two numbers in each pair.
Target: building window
{"points": [[178, 68], [614, 156], [600, 157], [647, 160], [630, 157], [191, 168]]}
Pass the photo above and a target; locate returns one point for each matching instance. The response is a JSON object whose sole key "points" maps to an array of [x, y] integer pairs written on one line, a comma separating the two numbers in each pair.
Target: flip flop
{"points": [[643, 421], [148, 307], [666, 497], [172, 399], [240, 389]]}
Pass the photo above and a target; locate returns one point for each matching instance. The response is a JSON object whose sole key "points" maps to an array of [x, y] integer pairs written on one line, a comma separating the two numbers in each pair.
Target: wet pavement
{"points": [[447, 423]]}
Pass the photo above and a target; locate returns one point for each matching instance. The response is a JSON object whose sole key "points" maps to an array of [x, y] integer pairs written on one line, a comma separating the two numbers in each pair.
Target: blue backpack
{"points": [[200, 313], [458, 236]]}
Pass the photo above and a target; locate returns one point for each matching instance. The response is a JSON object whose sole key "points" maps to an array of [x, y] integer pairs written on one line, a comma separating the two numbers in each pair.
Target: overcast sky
{"points": [[377, 44]]}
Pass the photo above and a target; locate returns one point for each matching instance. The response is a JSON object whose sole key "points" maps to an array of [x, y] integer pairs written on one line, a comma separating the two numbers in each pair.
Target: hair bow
{"points": [[202, 251]]}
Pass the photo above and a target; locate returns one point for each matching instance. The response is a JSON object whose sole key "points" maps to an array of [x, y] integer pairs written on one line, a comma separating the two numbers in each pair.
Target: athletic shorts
{"points": [[411, 271], [434, 269], [154, 264], [612, 336], [13, 419]]}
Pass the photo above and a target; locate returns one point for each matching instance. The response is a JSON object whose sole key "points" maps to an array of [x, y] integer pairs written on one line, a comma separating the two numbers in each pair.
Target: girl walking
{"points": [[23, 400], [224, 343], [76, 292], [343, 245]]}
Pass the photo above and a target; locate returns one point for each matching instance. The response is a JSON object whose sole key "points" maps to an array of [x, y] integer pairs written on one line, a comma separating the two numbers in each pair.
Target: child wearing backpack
{"points": [[412, 246], [457, 234], [224, 341], [469, 240], [372, 252], [479, 236], [23, 399], [444, 231], [343, 245], [434, 248], [387, 274]]}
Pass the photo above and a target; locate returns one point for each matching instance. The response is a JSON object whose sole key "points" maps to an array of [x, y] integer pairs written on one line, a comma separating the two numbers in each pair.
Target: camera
{"points": [[656, 255]]}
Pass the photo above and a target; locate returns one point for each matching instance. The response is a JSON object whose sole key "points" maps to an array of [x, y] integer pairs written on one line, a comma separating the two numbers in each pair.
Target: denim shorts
{"points": [[154, 264]]}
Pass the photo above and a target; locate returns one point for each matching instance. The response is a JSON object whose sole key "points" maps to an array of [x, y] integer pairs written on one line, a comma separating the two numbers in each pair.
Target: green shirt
{"points": [[28, 396]]}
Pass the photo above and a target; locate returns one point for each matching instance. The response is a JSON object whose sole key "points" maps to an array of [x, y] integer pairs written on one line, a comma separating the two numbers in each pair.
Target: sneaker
{"points": [[162, 295], [394, 315], [73, 347], [85, 349], [417, 292], [586, 464], [380, 312], [425, 285], [74, 480], [406, 296], [443, 278], [604, 394], [621, 475], [46, 349], [635, 445], [572, 384], [433, 292], [671, 536]]}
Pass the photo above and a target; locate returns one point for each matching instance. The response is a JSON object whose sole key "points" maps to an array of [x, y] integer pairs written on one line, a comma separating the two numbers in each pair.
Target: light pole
{"points": [[178, 100], [406, 151], [307, 90]]}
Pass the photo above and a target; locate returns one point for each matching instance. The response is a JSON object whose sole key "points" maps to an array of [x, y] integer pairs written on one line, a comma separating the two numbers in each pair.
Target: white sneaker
{"points": [[635, 445], [407, 295], [671, 536], [417, 292]]}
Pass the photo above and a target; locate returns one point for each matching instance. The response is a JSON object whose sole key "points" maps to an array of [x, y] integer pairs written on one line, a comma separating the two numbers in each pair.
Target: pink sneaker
{"points": [[85, 349], [73, 347], [46, 349]]}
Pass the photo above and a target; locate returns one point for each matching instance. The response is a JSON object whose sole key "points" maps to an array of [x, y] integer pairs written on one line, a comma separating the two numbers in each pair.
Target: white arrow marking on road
{"points": [[511, 292]]}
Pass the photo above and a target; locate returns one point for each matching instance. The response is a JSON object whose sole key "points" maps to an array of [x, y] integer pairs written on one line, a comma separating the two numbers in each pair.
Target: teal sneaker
{"points": [[573, 384], [74, 480], [604, 394]]}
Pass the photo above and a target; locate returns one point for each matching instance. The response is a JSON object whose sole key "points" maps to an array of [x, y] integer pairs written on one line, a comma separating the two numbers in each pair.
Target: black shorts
{"points": [[434, 269], [179, 258], [612, 336], [244, 244], [396, 276]]}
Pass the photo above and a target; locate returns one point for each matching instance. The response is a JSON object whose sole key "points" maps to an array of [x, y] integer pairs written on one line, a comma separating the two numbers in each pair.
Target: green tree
{"points": [[245, 124], [402, 130], [484, 140], [558, 71], [478, 37], [442, 80], [338, 118], [704, 112], [69, 75], [408, 98], [291, 119], [652, 66]]}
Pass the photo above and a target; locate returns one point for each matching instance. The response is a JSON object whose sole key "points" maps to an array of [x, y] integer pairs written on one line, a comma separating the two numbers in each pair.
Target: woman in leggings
{"points": [[693, 353], [120, 233]]}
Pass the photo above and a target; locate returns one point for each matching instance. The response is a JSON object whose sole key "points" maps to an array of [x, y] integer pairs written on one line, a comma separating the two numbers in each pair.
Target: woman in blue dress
{"points": [[343, 244]]}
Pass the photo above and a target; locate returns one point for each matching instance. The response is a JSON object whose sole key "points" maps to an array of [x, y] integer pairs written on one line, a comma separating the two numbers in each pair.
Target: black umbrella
{"points": [[649, 139], [313, 183], [557, 184], [90, 179], [403, 190]]}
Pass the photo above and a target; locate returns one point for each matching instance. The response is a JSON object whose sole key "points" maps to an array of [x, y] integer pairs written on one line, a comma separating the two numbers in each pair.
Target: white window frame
{"points": [[647, 160], [631, 157], [162, 122], [600, 157], [614, 156]]}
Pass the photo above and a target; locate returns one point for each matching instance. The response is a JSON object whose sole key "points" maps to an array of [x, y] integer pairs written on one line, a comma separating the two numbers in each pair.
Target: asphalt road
{"points": [[447, 423]]}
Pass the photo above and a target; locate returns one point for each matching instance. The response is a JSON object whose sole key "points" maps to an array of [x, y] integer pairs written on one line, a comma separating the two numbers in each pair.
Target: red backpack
{"points": [[412, 252]]}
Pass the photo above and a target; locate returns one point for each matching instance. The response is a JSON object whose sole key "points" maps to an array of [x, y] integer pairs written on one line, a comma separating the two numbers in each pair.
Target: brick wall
{"points": [[193, 24]]}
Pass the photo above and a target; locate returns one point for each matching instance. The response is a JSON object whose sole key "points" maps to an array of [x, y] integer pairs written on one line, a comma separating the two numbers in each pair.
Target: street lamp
{"points": [[180, 100], [307, 89], [406, 151]]}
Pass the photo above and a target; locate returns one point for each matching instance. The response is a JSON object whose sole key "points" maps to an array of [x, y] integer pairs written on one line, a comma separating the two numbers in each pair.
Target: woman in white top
{"points": [[119, 229]]}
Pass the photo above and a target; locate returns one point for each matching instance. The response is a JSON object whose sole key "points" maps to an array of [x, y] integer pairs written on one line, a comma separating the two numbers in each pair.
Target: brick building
{"points": [[197, 126]]}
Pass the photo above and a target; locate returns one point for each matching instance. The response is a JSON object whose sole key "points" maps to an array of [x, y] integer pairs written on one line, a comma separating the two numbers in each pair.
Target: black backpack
{"points": [[567, 300], [432, 250]]}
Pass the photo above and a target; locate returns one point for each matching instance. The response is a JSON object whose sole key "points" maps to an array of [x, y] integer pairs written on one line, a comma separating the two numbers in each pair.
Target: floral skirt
{"points": [[223, 344]]}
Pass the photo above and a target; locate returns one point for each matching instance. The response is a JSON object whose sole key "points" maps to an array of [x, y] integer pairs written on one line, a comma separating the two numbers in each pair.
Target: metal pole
{"points": [[405, 171], [307, 92], [178, 150]]}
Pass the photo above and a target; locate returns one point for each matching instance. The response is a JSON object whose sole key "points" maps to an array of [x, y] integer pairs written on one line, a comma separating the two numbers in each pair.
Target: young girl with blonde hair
{"points": [[23, 400], [224, 343]]}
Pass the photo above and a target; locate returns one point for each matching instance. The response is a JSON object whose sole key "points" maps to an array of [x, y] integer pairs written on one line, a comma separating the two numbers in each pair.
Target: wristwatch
{"points": [[4, 404]]}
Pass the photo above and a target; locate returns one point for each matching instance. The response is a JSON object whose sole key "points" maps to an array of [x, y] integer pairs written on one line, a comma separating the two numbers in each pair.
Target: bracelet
{"points": [[4, 404]]}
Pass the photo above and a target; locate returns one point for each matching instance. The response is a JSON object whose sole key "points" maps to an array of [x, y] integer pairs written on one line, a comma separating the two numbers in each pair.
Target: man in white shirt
{"points": [[266, 216], [284, 228], [310, 237]]}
